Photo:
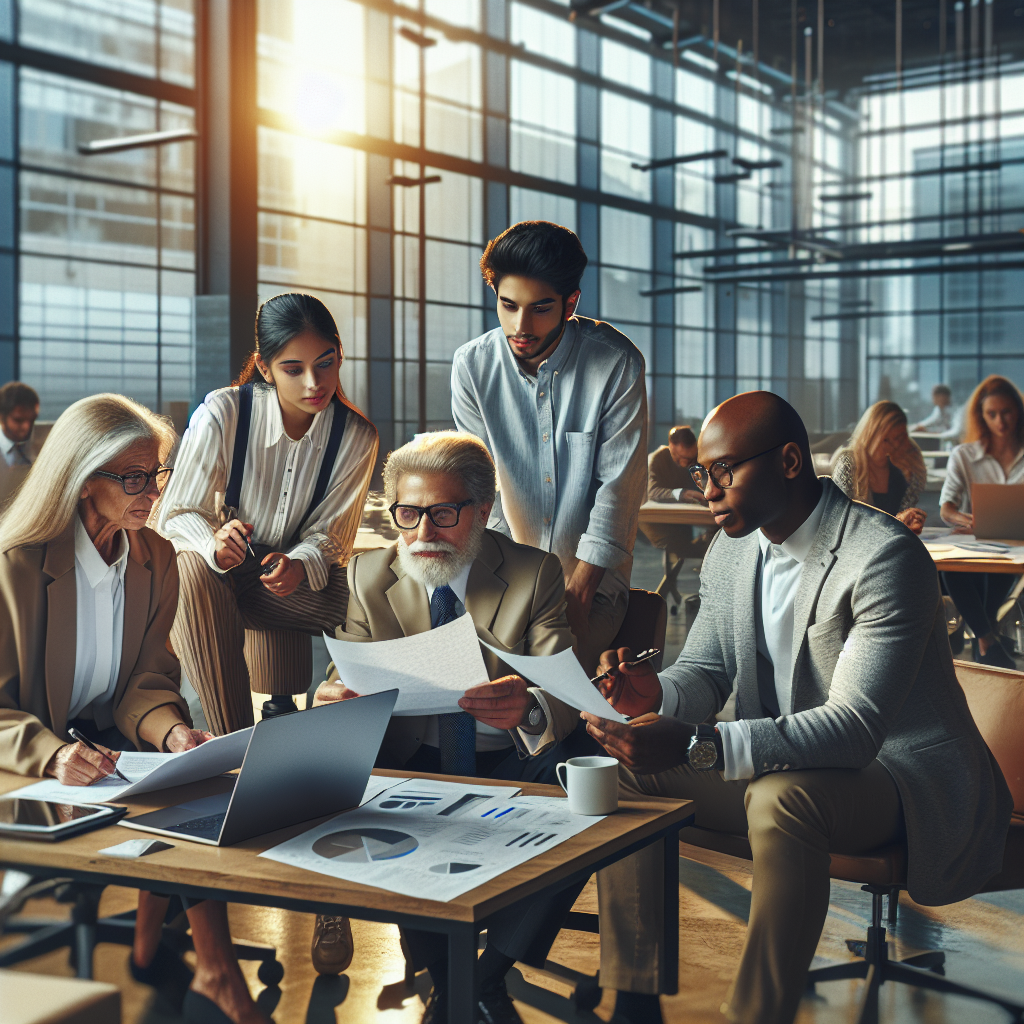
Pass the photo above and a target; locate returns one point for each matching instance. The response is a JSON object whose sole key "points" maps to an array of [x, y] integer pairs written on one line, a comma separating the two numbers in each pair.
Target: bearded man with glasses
{"points": [[446, 564]]}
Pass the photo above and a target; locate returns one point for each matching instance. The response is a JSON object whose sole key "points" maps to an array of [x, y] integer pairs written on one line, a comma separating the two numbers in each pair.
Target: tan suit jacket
{"points": [[515, 596], [38, 626], [12, 477]]}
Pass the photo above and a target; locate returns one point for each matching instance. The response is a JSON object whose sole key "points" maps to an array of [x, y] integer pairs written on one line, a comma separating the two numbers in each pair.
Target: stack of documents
{"points": [[426, 837]]}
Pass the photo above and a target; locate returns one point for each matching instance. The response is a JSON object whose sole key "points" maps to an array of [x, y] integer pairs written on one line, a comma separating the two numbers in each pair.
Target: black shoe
{"points": [[197, 1009], [493, 1007], [436, 1010], [163, 967], [997, 657]]}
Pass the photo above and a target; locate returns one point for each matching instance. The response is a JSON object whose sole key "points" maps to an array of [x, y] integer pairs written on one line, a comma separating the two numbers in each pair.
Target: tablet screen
{"points": [[42, 814]]}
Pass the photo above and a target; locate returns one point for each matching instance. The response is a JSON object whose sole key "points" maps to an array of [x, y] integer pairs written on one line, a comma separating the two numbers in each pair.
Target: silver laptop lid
{"points": [[998, 511], [306, 764]]}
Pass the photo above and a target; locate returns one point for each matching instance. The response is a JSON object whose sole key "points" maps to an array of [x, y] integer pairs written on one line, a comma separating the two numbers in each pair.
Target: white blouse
{"points": [[280, 476], [971, 464], [99, 624]]}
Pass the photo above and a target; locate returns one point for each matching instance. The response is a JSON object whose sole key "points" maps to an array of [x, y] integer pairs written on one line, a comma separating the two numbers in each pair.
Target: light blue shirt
{"points": [[570, 445]]}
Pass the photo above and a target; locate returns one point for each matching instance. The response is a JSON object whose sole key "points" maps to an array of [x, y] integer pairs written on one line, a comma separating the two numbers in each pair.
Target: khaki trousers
{"points": [[606, 615], [793, 819], [208, 635]]}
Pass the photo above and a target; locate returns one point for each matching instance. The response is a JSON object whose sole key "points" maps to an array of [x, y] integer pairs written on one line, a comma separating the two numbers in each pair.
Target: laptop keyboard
{"points": [[206, 828]]}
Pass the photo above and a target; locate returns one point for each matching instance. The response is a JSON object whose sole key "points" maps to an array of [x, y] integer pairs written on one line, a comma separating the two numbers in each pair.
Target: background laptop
{"points": [[296, 767], [998, 511]]}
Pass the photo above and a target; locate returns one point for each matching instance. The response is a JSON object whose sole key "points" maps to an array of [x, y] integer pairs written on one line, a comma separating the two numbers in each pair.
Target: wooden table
{"points": [[236, 874], [978, 564], [676, 513]]}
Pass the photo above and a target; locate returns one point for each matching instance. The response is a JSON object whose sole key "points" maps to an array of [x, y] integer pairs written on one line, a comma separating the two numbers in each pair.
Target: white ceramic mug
{"points": [[591, 784]]}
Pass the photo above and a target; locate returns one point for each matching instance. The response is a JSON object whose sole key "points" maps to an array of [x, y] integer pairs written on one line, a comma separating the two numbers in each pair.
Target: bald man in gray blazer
{"points": [[824, 617]]}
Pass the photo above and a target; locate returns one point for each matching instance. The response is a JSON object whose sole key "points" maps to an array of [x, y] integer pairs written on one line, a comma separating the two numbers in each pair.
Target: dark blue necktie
{"points": [[456, 732]]}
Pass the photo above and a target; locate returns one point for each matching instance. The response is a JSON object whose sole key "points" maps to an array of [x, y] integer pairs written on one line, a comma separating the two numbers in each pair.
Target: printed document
{"points": [[562, 676], [431, 838], [430, 670], [149, 771]]}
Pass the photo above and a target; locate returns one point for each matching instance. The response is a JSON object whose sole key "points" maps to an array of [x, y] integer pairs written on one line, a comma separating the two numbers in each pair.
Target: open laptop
{"points": [[998, 511], [298, 766]]}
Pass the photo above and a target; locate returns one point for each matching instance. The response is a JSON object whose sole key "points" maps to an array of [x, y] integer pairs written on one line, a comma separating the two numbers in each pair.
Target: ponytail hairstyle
{"points": [[282, 318]]}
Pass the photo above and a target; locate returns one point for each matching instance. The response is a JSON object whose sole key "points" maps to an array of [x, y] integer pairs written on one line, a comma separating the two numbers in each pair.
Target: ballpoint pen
{"points": [[639, 660], [76, 735]]}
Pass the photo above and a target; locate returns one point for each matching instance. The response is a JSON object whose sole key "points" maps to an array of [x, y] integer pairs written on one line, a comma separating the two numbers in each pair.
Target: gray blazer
{"points": [[872, 677]]}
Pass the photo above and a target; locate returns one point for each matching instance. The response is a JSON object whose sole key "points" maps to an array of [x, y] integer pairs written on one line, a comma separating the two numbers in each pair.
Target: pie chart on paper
{"points": [[453, 868], [365, 845]]}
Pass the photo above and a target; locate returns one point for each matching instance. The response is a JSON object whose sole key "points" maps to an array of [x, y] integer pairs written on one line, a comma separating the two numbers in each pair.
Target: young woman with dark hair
{"points": [[267, 495], [992, 453]]}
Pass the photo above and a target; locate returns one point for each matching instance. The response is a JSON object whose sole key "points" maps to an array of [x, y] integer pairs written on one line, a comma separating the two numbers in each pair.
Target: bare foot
{"points": [[230, 992]]}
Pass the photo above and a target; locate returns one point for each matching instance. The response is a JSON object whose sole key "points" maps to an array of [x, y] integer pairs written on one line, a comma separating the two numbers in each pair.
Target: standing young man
{"points": [[560, 401]]}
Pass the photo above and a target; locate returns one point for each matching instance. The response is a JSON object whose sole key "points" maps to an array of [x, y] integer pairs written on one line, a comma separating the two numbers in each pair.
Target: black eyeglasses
{"points": [[721, 472], [137, 481], [443, 515]]}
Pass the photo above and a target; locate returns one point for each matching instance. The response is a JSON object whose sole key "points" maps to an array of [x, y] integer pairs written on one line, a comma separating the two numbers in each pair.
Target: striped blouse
{"points": [[280, 475]]}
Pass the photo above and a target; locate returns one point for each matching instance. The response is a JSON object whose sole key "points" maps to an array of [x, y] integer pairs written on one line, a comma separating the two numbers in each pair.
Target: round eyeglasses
{"points": [[721, 472], [137, 481], [444, 515]]}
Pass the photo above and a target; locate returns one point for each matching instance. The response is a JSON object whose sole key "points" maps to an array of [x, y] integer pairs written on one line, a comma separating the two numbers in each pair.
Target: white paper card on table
{"points": [[430, 670], [433, 839], [149, 771], [563, 677], [137, 848]]}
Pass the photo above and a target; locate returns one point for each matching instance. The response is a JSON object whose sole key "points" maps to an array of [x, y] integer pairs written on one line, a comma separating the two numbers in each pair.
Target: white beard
{"points": [[439, 572]]}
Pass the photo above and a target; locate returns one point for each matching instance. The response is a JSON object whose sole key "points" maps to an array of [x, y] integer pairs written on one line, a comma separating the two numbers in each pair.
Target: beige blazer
{"points": [[12, 477], [38, 620], [515, 596]]}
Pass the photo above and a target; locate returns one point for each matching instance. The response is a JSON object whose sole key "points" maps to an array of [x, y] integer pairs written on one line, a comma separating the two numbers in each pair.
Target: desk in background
{"points": [[676, 513], [237, 874]]}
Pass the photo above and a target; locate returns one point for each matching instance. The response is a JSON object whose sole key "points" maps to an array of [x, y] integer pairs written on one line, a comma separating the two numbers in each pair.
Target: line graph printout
{"points": [[434, 839]]}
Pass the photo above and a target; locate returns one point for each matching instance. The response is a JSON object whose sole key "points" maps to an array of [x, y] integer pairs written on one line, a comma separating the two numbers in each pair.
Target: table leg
{"points": [[462, 980], [670, 916]]}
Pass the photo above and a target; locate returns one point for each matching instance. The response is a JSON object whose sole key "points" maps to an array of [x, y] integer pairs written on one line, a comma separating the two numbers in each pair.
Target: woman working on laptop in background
{"points": [[272, 475], [882, 466], [87, 597], [992, 453]]}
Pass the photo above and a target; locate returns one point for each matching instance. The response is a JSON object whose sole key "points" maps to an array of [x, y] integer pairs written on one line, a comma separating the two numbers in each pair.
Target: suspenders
{"points": [[233, 494]]}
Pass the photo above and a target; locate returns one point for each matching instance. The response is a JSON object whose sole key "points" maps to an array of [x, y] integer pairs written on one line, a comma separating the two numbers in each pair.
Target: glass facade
{"points": [[521, 114]]}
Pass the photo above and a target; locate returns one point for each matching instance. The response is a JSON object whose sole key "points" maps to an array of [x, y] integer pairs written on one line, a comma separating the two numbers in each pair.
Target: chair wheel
{"points": [[271, 972]]}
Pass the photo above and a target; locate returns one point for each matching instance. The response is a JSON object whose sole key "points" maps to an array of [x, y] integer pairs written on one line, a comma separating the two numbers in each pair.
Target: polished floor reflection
{"points": [[982, 937]]}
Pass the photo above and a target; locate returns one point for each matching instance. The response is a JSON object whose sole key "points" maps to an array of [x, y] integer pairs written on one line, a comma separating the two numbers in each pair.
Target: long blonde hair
{"points": [[876, 422], [86, 436]]}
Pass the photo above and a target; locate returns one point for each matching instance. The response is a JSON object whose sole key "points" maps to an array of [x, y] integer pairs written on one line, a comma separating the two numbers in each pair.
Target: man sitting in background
{"points": [[19, 409], [668, 480], [446, 564], [942, 419]]}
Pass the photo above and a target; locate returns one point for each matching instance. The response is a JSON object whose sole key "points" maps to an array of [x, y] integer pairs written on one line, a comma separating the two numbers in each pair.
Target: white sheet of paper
{"points": [[150, 771], [430, 670], [562, 676], [435, 839]]}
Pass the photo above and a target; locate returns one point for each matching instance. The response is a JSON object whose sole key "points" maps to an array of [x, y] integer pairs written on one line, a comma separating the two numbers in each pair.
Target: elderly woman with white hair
{"points": [[87, 597]]}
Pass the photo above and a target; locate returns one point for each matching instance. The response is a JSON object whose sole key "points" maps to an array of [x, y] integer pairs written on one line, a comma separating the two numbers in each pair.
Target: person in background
{"points": [[823, 616], [992, 453], [87, 597], [668, 480], [561, 404], [882, 466], [940, 419], [446, 564], [19, 410]]}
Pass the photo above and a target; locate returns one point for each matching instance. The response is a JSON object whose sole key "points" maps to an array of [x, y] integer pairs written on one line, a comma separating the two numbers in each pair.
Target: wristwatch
{"points": [[536, 722], [705, 750]]}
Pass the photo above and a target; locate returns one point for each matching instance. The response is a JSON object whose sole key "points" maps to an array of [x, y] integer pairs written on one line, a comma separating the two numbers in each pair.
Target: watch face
{"points": [[703, 755]]}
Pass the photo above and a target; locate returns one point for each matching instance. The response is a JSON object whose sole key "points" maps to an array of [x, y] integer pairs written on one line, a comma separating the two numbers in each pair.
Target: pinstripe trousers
{"points": [[209, 635]]}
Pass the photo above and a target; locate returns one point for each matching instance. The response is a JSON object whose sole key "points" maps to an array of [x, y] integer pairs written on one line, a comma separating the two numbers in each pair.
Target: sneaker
{"points": [[331, 951]]}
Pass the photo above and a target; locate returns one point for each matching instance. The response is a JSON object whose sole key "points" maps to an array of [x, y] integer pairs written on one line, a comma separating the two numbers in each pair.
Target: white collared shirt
{"points": [[781, 570], [487, 737], [280, 476], [13, 456], [99, 627], [971, 464]]}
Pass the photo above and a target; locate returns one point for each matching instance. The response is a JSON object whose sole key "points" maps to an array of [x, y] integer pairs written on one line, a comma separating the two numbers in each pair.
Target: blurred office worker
{"points": [[882, 466], [668, 480], [87, 597], [272, 472], [446, 564], [19, 410], [561, 404], [943, 418], [992, 453], [824, 617]]}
